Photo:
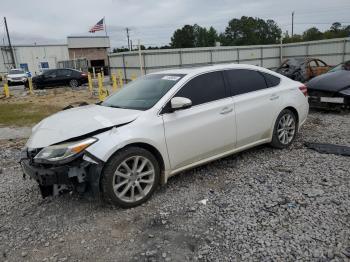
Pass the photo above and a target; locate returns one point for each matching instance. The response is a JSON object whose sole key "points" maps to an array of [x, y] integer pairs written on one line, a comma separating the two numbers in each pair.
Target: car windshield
{"points": [[16, 71], [144, 92]]}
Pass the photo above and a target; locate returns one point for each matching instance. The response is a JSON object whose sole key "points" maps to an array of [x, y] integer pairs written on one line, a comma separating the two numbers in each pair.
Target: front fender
{"points": [[115, 139]]}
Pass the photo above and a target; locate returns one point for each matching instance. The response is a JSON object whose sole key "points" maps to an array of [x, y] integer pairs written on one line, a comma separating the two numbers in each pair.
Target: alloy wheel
{"points": [[286, 129], [133, 179]]}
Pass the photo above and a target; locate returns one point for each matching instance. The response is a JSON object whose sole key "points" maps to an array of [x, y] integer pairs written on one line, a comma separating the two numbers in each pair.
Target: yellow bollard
{"points": [[133, 77], [6, 90], [30, 85], [90, 82], [114, 81], [102, 93], [120, 76]]}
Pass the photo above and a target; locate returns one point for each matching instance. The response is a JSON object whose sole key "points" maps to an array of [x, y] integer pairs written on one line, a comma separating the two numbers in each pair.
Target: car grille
{"points": [[17, 78]]}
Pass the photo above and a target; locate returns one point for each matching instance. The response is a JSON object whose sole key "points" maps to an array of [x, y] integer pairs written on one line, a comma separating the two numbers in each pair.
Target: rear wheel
{"points": [[73, 83], [285, 129], [130, 177]]}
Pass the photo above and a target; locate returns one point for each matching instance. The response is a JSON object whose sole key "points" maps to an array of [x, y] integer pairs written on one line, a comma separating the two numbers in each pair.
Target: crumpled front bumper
{"points": [[46, 176], [80, 175]]}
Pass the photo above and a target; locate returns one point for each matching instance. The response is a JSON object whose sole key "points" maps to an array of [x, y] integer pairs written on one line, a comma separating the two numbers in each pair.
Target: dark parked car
{"points": [[302, 69], [331, 89], [60, 77]]}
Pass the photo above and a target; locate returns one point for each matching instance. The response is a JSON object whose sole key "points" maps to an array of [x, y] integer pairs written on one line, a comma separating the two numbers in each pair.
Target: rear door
{"points": [[205, 129], [256, 101], [63, 76]]}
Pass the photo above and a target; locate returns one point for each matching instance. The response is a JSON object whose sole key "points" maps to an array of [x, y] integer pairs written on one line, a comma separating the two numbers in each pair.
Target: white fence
{"points": [[333, 51]]}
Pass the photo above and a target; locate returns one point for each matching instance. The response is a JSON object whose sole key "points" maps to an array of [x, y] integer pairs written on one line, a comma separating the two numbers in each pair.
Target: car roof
{"points": [[209, 68]]}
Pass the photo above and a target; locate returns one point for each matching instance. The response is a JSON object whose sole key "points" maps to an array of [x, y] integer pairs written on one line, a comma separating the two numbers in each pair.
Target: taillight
{"points": [[83, 74], [303, 89]]}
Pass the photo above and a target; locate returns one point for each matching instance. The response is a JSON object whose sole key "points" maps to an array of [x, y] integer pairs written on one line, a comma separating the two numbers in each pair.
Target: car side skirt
{"points": [[171, 173]]}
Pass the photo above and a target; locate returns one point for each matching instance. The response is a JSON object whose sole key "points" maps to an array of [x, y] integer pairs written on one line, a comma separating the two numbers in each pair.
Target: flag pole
{"points": [[104, 21]]}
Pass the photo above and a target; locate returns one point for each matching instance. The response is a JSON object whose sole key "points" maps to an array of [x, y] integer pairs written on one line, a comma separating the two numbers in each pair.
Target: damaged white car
{"points": [[160, 125]]}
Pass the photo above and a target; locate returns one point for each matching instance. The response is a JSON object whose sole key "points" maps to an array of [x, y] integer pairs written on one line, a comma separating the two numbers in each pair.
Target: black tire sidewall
{"points": [[112, 164], [275, 141]]}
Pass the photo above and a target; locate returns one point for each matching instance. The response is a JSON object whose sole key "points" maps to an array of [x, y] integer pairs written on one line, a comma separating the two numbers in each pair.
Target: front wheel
{"points": [[285, 129], [130, 177]]}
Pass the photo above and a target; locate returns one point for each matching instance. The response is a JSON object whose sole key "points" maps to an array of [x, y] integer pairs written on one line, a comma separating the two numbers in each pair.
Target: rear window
{"points": [[271, 80], [242, 81]]}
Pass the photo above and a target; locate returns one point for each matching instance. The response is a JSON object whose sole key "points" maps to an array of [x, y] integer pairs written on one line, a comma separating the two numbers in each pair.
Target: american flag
{"points": [[98, 27]]}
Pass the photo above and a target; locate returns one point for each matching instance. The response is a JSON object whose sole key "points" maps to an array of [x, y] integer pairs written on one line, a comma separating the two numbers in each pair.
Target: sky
{"points": [[153, 22]]}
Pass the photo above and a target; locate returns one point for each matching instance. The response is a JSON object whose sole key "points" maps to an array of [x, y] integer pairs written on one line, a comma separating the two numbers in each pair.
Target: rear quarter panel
{"points": [[291, 96]]}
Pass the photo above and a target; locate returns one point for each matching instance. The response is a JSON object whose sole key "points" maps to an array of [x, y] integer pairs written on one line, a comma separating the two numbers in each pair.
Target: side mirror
{"points": [[178, 103]]}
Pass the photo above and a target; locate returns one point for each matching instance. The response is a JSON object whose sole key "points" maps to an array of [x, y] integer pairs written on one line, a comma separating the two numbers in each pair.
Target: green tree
{"points": [[212, 36], [336, 27], [312, 34], [183, 38], [250, 31], [194, 36]]}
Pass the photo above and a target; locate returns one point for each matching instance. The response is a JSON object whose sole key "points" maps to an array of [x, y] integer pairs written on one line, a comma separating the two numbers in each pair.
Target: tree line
{"points": [[245, 31]]}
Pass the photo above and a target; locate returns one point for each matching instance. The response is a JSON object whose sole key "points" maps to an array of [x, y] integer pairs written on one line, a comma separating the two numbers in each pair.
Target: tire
{"points": [[285, 129], [117, 187], [73, 83]]}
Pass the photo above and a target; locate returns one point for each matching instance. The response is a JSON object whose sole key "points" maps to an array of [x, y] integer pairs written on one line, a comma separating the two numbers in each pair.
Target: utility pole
{"points": [[127, 35], [292, 23], [10, 46]]}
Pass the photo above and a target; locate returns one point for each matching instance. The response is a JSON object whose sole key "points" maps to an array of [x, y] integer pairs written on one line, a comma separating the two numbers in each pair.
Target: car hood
{"points": [[332, 81], [75, 122]]}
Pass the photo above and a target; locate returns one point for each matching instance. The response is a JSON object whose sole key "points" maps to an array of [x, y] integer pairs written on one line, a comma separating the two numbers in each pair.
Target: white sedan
{"points": [[161, 124]]}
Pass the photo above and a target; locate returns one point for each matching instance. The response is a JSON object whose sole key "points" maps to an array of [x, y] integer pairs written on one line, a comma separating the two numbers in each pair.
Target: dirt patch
{"points": [[27, 110]]}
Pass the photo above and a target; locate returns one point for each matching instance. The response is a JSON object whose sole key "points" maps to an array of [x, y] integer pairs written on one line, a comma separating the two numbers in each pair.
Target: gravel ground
{"points": [[262, 204]]}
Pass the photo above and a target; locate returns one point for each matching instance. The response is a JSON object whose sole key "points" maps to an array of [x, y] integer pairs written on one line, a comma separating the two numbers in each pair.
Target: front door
{"points": [[204, 130]]}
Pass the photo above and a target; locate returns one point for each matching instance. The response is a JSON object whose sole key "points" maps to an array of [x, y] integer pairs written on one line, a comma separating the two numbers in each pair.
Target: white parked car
{"points": [[161, 124], [17, 76]]}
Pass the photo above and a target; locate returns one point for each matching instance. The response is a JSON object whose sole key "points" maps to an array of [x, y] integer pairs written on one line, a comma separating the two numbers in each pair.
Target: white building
{"points": [[34, 58]]}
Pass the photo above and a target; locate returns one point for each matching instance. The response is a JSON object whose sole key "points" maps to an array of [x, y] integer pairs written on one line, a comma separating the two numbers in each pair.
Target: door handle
{"points": [[226, 110], [274, 97]]}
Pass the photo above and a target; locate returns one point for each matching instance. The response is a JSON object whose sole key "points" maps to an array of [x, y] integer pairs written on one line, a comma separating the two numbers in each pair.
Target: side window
{"points": [[271, 80], [51, 73], [68, 72], [204, 88], [63, 72], [243, 81]]}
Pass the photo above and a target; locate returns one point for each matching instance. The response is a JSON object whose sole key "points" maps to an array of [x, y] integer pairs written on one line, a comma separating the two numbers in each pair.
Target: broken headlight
{"points": [[63, 152]]}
